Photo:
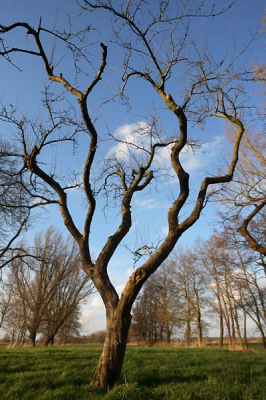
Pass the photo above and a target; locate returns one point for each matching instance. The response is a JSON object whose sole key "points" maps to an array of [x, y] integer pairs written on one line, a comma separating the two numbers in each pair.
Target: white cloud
{"points": [[85, 316], [150, 204], [135, 138], [134, 224], [93, 316], [120, 288], [132, 140], [165, 230], [202, 157], [192, 162], [97, 303], [192, 159]]}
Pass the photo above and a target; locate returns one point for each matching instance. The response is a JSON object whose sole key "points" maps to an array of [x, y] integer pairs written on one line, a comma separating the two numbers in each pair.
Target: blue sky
{"points": [[149, 208]]}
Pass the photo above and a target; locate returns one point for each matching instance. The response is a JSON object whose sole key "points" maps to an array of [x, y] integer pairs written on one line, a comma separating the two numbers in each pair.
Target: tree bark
{"points": [[111, 360], [49, 341], [199, 329], [221, 338], [32, 339], [188, 327], [168, 334], [263, 337], [245, 336]]}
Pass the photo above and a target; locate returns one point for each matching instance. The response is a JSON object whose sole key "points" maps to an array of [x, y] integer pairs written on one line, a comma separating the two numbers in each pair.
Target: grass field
{"points": [[148, 374]]}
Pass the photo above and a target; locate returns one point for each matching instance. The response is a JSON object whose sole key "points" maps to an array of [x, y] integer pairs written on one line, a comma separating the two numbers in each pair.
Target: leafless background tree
{"points": [[44, 293], [14, 201], [245, 199], [216, 284]]}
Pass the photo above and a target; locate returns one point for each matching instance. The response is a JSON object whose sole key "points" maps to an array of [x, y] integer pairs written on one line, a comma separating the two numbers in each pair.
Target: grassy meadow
{"points": [[149, 373]]}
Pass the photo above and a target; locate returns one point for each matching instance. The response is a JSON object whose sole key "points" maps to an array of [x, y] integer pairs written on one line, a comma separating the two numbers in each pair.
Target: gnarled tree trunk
{"points": [[111, 360], [32, 338]]}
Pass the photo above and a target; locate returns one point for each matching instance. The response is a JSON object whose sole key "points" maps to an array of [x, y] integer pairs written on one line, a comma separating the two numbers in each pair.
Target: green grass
{"points": [[148, 374]]}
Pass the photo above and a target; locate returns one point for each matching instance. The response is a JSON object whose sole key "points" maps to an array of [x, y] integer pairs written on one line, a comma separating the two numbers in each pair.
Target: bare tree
{"points": [[49, 287], [245, 199], [157, 310], [17, 315], [213, 278], [250, 292], [146, 313], [207, 89], [5, 301], [71, 328], [221, 258], [36, 281], [71, 290], [14, 202], [191, 287], [169, 301]]}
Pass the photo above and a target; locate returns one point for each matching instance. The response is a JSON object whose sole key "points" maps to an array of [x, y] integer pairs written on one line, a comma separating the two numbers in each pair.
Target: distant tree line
{"points": [[218, 283]]}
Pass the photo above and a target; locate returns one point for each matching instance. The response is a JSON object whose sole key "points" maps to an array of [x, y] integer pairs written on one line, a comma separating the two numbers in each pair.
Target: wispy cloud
{"points": [[192, 158], [149, 204], [120, 288], [93, 315], [134, 139], [97, 303], [165, 230], [201, 157]]}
